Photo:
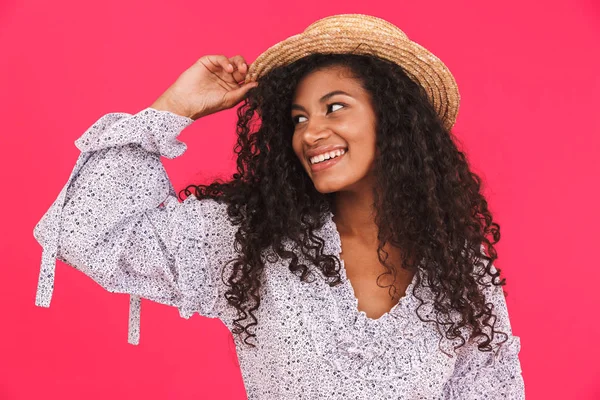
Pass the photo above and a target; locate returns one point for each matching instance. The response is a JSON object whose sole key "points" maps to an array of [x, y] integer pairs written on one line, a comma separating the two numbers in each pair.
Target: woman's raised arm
{"points": [[118, 220], [116, 217]]}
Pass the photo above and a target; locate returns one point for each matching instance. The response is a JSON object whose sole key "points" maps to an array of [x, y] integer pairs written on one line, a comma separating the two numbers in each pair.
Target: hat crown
{"points": [[369, 35], [342, 22]]}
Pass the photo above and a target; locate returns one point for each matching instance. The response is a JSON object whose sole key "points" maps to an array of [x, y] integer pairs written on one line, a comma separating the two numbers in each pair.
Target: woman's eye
{"points": [[329, 106], [295, 119], [334, 104]]}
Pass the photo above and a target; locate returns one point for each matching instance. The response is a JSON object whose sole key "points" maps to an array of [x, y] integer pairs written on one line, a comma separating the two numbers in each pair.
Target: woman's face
{"points": [[334, 132]]}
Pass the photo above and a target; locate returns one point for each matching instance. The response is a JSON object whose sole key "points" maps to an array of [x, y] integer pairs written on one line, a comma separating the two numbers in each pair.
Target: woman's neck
{"points": [[354, 215]]}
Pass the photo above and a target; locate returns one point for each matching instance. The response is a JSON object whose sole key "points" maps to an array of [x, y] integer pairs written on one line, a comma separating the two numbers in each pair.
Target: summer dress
{"points": [[118, 220]]}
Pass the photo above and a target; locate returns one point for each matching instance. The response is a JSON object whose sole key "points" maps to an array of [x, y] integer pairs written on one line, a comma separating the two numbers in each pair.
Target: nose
{"points": [[317, 130]]}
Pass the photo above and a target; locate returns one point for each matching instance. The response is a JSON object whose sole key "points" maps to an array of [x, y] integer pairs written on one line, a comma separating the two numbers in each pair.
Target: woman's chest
{"points": [[313, 325], [377, 289]]}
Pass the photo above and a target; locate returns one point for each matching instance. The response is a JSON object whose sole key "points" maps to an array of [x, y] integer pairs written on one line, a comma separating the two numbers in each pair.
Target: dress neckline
{"points": [[347, 290], [382, 349]]}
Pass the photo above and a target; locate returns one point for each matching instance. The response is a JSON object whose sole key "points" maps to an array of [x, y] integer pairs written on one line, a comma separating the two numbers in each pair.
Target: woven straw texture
{"points": [[368, 35]]}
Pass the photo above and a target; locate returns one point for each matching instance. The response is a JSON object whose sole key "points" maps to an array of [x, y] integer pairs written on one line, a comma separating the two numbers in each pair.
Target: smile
{"points": [[326, 160], [327, 156]]}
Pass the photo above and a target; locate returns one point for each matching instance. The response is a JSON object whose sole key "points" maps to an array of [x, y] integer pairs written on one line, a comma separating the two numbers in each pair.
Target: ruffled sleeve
{"points": [[489, 375], [118, 220]]}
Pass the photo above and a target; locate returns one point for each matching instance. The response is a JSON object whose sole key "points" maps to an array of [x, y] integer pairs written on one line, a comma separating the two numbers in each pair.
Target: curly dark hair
{"points": [[432, 205]]}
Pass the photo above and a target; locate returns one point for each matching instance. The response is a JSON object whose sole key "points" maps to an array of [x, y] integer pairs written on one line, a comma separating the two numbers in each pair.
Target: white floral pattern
{"points": [[117, 219]]}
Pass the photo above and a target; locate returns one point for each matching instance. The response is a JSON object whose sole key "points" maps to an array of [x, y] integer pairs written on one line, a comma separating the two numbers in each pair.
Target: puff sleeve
{"points": [[489, 375], [118, 220]]}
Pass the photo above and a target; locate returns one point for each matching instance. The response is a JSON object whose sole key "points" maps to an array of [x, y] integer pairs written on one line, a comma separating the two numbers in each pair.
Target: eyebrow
{"points": [[321, 100]]}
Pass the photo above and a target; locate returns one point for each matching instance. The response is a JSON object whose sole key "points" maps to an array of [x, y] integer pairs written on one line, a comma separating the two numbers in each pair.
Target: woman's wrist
{"points": [[166, 103]]}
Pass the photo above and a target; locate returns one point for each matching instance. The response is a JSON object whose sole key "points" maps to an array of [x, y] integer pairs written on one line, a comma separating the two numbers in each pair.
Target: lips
{"points": [[323, 165], [326, 156], [323, 149]]}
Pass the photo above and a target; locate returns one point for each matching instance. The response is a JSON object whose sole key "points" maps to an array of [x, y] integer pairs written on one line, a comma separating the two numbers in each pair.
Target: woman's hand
{"points": [[208, 86]]}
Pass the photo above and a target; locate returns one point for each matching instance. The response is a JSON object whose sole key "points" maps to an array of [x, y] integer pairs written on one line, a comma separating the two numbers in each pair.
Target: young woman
{"points": [[348, 252]]}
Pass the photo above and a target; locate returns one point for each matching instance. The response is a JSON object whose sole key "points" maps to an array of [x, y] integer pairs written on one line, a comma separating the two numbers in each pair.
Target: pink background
{"points": [[528, 75]]}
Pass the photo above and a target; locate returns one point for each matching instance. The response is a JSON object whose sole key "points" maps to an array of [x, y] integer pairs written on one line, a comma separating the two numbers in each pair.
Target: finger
{"points": [[249, 86], [240, 68], [231, 85], [213, 64], [235, 96], [223, 69], [221, 61], [239, 63], [238, 76]]}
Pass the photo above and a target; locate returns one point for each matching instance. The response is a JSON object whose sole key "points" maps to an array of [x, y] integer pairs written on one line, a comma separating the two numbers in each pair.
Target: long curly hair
{"points": [[432, 206]]}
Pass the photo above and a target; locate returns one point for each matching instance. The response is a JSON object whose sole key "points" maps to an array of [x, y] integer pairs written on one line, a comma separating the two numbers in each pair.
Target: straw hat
{"points": [[365, 34]]}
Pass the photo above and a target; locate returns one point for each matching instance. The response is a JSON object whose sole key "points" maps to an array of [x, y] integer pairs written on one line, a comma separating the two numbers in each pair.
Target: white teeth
{"points": [[327, 156]]}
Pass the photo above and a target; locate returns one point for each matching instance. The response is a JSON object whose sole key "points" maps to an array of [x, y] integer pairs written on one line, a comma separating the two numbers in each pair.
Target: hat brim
{"points": [[421, 65]]}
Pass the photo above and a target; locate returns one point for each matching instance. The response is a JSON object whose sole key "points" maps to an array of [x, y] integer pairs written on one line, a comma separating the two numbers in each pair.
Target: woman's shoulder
{"points": [[204, 214], [205, 207], [206, 218]]}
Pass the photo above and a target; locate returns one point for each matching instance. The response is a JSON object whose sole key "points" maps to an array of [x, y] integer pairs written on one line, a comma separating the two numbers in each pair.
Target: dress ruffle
{"points": [[478, 375], [371, 349], [386, 348]]}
